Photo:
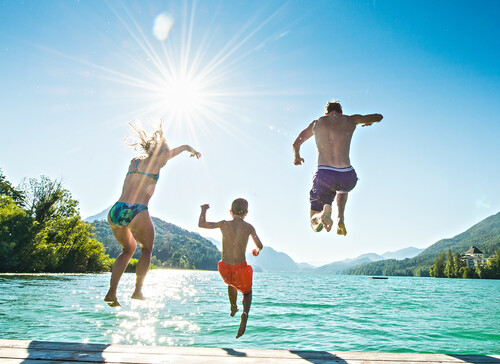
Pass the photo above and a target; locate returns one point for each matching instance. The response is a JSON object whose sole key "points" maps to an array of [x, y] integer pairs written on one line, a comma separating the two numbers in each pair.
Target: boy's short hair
{"points": [[239, 206], [333, 105]]}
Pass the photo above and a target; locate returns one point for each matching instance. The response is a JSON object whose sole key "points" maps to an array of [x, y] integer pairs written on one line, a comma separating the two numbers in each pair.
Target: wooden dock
{"points": [[43, 352]]}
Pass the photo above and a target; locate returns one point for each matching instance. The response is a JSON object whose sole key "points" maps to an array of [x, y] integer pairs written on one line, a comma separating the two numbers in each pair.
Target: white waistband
{"points": [[345, 169]]}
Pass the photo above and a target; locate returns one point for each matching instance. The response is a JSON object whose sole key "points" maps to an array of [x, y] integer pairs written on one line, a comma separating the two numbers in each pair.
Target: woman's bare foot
{"points": [[112, 300], [234, 309], [243, 324], [138, 296], [326, 217], [341, 228]]}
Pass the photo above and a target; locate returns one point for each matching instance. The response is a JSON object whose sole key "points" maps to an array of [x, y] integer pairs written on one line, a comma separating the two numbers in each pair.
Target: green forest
{"points": [[173, 247], [485, 235], [449, 265], [41, 231]]}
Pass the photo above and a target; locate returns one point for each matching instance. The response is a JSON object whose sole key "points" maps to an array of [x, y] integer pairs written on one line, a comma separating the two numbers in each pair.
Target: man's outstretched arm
{"points": [[366, 120], [301, 138]]}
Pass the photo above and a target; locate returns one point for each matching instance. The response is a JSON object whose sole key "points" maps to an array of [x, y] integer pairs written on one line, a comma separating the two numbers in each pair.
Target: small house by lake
{"points": [[473, 257]]}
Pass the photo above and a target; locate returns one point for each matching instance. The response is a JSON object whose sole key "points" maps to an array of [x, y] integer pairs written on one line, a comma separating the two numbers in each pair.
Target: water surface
{"points": [[290, 311]]}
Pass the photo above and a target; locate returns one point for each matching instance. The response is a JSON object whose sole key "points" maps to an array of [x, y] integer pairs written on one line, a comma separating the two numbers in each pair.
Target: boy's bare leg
{"points": [[232, 293], [341, 201], [144, 233], [247, 302]]}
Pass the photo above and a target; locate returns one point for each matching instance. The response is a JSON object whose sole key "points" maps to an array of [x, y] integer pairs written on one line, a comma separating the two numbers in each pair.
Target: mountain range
{"points": [[407, 261], [484, 235]]}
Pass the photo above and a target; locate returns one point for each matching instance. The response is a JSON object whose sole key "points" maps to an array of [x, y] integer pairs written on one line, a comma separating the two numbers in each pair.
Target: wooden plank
{"points": [[59, 352]]}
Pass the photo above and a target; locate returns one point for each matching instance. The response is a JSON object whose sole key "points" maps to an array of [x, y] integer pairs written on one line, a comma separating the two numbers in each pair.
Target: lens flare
{"points": [[162, 25]]}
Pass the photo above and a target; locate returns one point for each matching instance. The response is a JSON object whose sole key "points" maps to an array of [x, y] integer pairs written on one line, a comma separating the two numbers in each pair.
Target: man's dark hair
{"points": [[239, 206], [333, 105]]}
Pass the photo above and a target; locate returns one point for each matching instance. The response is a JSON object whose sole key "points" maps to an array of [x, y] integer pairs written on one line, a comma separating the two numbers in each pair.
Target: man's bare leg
{"points": [[247, 302], [326, 217], [316, 223], [232, 293], [322, 219], [341, 202]]}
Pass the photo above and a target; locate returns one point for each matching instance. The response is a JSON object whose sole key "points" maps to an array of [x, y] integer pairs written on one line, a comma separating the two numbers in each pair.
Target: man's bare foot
{"points": [[243, 325], [138, 296], [316, 223], [112, 300], [234, 309], [341, 228], [326, 217]]}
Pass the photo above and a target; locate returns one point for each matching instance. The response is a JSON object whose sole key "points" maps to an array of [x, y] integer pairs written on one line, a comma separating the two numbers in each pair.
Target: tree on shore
{"points": [[455, 267], [42, 231]]}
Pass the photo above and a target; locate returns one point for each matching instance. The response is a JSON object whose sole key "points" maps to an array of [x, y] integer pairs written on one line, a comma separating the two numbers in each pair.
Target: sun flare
{"points": [[183, 97]]}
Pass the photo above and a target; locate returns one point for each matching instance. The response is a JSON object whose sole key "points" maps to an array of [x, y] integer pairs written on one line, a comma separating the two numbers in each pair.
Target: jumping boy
{"points": [[233, 268]]}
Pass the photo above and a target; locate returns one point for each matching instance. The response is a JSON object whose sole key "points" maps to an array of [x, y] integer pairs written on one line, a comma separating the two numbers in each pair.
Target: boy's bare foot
{"points": [[326, 217], [112, 300], [243, 324], [234, 309], [341, 228], [138, 296]]}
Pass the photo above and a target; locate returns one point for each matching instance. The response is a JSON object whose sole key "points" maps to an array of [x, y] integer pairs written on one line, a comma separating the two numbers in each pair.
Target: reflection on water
{"points": [[290, 311]]}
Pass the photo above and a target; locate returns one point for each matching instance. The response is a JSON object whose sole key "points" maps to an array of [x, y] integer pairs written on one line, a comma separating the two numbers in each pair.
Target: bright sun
{"points": [[183, 97]]}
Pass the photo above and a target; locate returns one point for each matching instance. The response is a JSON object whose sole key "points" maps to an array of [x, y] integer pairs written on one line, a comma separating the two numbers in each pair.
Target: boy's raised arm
{"points": [[202, 222]]}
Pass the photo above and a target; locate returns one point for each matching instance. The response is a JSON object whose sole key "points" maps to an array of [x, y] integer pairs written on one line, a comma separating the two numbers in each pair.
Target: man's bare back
{"points": [[333, 134]]}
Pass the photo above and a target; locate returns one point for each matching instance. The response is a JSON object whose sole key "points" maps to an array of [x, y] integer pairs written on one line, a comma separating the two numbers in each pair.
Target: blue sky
{"points": [[74, 73]]}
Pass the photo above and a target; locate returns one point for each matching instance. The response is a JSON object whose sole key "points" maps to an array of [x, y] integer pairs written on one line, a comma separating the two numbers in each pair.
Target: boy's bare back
{"points": [[235, 236]]}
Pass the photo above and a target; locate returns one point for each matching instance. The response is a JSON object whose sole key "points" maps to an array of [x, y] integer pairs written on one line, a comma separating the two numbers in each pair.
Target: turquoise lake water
{"points": [[290, 311]]}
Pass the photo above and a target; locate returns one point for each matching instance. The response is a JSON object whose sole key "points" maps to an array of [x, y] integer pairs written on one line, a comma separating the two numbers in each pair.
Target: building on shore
{"points": [[473, 257]]}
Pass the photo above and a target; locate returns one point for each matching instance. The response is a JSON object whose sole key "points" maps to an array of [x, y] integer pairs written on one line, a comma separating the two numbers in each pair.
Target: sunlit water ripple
{"points": [[289, 311]]}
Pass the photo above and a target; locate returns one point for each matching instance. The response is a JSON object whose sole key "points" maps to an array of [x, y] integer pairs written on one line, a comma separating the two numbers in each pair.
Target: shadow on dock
{"points": [[318, 357], [64, 351], [233, 352], [476, 359]]}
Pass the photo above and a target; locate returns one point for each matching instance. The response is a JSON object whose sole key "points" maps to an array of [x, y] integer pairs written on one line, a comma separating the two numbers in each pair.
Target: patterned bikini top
{"points": [[150, 175]]}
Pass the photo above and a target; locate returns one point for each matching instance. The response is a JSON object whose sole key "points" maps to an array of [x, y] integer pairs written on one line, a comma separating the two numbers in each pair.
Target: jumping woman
{"points": [[129, 217]]}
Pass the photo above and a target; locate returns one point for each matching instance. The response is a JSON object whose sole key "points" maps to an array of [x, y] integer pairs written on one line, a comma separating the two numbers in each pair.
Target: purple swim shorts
{"points": [[327, 182]]}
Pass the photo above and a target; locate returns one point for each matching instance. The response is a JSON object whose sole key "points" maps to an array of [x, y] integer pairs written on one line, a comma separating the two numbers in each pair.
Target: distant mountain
{"points": [[340, 266], [101, 216], [268, 260], [272, 260], [403, 253], [485, 235], [174, 247], [306, 266], [217, 243]]}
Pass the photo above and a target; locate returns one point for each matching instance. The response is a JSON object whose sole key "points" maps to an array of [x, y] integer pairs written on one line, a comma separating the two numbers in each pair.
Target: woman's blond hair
{"points": [[149, 144]]}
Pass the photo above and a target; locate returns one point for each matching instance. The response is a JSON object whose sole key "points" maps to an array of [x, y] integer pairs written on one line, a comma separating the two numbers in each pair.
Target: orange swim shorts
{"points": [[238, 275]]}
